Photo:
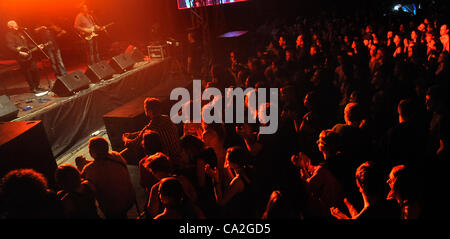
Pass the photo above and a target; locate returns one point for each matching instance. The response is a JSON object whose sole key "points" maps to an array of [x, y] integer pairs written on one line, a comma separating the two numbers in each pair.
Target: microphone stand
{"points": [[42, 50], [37, 45]]}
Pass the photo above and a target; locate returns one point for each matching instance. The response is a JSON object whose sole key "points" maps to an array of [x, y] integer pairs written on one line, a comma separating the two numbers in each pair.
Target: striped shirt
{"points": [[168, 132]]}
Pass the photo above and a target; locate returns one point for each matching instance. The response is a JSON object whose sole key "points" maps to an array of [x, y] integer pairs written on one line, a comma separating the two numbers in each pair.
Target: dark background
{"points": [[138, 22]]}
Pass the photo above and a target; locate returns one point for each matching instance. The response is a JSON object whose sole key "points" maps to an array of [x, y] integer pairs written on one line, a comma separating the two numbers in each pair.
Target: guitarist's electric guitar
{"points": [[30, 51], [94, 32]]}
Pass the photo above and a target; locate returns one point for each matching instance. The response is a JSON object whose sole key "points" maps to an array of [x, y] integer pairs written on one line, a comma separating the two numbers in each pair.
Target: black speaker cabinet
{"points": [[70, 84], [122, 62], [24, 144], [8, 110], [99, 71], [127, 118]]}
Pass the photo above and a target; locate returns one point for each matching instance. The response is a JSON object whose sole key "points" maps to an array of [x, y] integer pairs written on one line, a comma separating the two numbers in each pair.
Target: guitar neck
{"points": [[33, 49], [37, 48], [108, 25]]}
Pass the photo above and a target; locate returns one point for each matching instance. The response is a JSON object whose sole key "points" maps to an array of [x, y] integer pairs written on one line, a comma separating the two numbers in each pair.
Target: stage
{"points": [[70, 121]]}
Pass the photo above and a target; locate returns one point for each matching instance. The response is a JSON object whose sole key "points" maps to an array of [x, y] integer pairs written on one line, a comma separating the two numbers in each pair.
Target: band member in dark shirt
{"points": [[194, 55], [87, 29], [16, 41], [50, 33]]}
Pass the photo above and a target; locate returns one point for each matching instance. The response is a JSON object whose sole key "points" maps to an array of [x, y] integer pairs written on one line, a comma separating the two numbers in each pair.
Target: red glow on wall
{"points": [[22, 8]]}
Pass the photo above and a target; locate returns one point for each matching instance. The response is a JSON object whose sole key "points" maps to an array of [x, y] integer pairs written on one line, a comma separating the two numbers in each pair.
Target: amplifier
{"points": [[157, 51], [24, 144], [8, 110]]}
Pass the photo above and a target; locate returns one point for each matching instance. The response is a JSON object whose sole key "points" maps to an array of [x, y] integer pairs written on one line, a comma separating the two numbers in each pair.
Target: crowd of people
{"points": [[363, 134]]}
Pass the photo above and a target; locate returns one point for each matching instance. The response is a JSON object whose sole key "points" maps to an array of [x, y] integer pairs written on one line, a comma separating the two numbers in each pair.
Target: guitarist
{"points": [[17, 42], [85, 25]]}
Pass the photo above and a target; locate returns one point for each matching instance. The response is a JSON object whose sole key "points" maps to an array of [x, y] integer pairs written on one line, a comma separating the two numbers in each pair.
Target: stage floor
{"points": [[16, 88], [70, 121]]}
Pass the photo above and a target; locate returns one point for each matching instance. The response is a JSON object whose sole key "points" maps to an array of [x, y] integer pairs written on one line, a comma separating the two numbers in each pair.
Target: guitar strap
{"points": [[91, 19]]}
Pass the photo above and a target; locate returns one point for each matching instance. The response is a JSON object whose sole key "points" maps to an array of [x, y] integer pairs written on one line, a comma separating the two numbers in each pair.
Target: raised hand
{"points": [[213, 173], [295, 159], [351, 208], [337, 213]]}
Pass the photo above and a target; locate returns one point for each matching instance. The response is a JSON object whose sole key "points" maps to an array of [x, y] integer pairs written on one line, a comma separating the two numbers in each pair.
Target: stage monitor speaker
{"points": [[24, 144], [99, 71], [8, 110], [122, 63], [129, 117], [135, 53], [70, 84]]}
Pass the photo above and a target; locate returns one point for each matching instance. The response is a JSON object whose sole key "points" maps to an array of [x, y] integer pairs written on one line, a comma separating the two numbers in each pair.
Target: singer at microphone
{"points": [[17, 42]]}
